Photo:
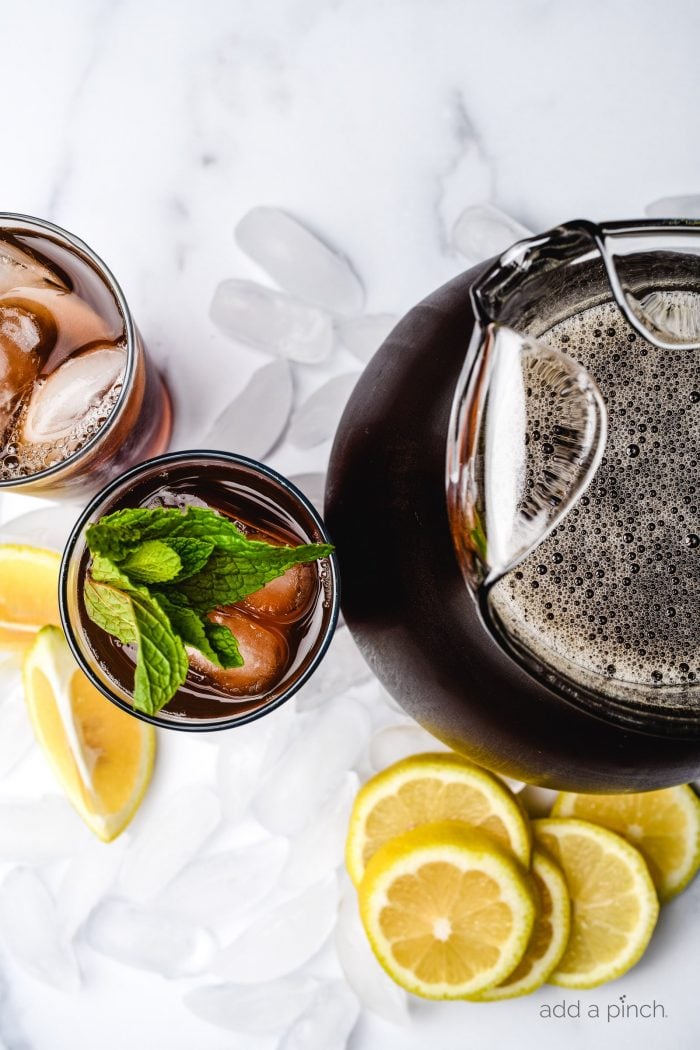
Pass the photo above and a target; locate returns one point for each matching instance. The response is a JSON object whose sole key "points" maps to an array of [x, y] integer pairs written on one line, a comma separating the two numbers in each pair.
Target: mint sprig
{"points": [[155, 576]]}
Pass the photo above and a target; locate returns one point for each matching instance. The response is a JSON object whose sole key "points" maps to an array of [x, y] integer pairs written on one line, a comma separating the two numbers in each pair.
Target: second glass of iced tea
{"points": [[283, 630], [79, 399]]}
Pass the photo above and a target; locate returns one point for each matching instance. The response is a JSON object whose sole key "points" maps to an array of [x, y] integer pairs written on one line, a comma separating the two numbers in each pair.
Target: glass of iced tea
{"points": [[79, 399], [192, 503]]}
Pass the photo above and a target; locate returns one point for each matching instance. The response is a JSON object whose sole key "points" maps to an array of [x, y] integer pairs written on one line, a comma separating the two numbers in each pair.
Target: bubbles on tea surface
{"points": [[618, 594]]}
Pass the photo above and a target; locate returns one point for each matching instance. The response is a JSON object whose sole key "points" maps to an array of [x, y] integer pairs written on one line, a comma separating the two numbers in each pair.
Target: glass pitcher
{"points": [[539, 612]]}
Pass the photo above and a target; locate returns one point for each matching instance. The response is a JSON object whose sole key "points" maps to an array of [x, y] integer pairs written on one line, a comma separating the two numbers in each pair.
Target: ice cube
{"points": [[299, 261], [16, 736], [18, 269], [29, 928], [313, 486], [258, 1009], [392, 743], [482, 231], [251, 425], [316, 418], [313, 765], [218, 890], [33, 831], [149, 939], [89, 875], [365, 976], [70, 324], [327, 1023], [248, 753], [265, 655], [168, 836], [21, 357], [272, 321], [318, 849], [364, 335], [287, 597], [283, 939], [342, 667], [682, 207], [61, 402]]}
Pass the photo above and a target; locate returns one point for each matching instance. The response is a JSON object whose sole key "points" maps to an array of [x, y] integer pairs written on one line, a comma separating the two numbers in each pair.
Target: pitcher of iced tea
{"points": [[514, 494]]}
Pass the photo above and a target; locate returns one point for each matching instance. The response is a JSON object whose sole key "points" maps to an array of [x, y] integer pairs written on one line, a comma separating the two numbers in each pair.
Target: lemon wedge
{"points": [[447, 910], [663, 825], [614, 906], [102, 756], [430, 788], [28, 593]]}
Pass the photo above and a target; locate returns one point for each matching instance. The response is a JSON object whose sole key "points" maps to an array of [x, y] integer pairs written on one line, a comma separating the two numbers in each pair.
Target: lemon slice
{"points": [[663, 825], [102, 756], [427, 788], [28, 593], [550, 934], [447, 911], [614, 906]]}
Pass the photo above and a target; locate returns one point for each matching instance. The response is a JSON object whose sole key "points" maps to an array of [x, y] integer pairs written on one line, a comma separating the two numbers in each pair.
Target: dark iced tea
{"points": [[79, 400], [282, 629]]}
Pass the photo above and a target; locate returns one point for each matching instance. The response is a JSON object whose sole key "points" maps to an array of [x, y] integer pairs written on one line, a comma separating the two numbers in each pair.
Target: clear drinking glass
{"points": [[261, 501], [80, 399]]}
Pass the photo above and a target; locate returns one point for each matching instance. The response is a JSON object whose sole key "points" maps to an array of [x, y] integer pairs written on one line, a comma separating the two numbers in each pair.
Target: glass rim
{"points": [[110, 280], [181, 457]]}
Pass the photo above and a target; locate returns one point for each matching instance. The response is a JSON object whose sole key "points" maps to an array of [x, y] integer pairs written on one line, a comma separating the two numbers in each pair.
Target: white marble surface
{"points": [[149, 128]]}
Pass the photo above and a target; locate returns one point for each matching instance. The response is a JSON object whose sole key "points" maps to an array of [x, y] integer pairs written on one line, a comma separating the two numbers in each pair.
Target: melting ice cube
{"points": [[327, 1023], [317, 418], [257, 1009], [22, 354], [252, 423], [29, 927], [286, 597], [283, 939], [299, 261], [62, 402], [265, 654], [681, 207], [149, 939], [482, 231], [18, 269], [272, 321]]}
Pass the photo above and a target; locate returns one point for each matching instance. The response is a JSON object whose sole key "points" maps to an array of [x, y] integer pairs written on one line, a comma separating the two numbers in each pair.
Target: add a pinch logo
{"points": [[615, 1010]]}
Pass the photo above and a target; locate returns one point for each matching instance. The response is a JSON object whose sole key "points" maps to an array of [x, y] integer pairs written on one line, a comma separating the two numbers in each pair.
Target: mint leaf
{"points": [[152, 562], [136, 619], [224, 644], [231, 575], [188, 624], [161, 665], [110, 609], [116, 535], [193, 554]]}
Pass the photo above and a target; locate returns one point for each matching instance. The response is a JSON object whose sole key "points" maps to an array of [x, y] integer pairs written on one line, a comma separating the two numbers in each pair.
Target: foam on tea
{"points": [[612, 592]]}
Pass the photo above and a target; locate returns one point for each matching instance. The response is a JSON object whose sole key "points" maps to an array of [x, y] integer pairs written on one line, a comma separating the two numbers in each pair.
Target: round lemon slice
{"points": [[550, 934], [28, 593], [614, 906], [102, 756], [447, 911], [429, 788], [663, 825]]}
